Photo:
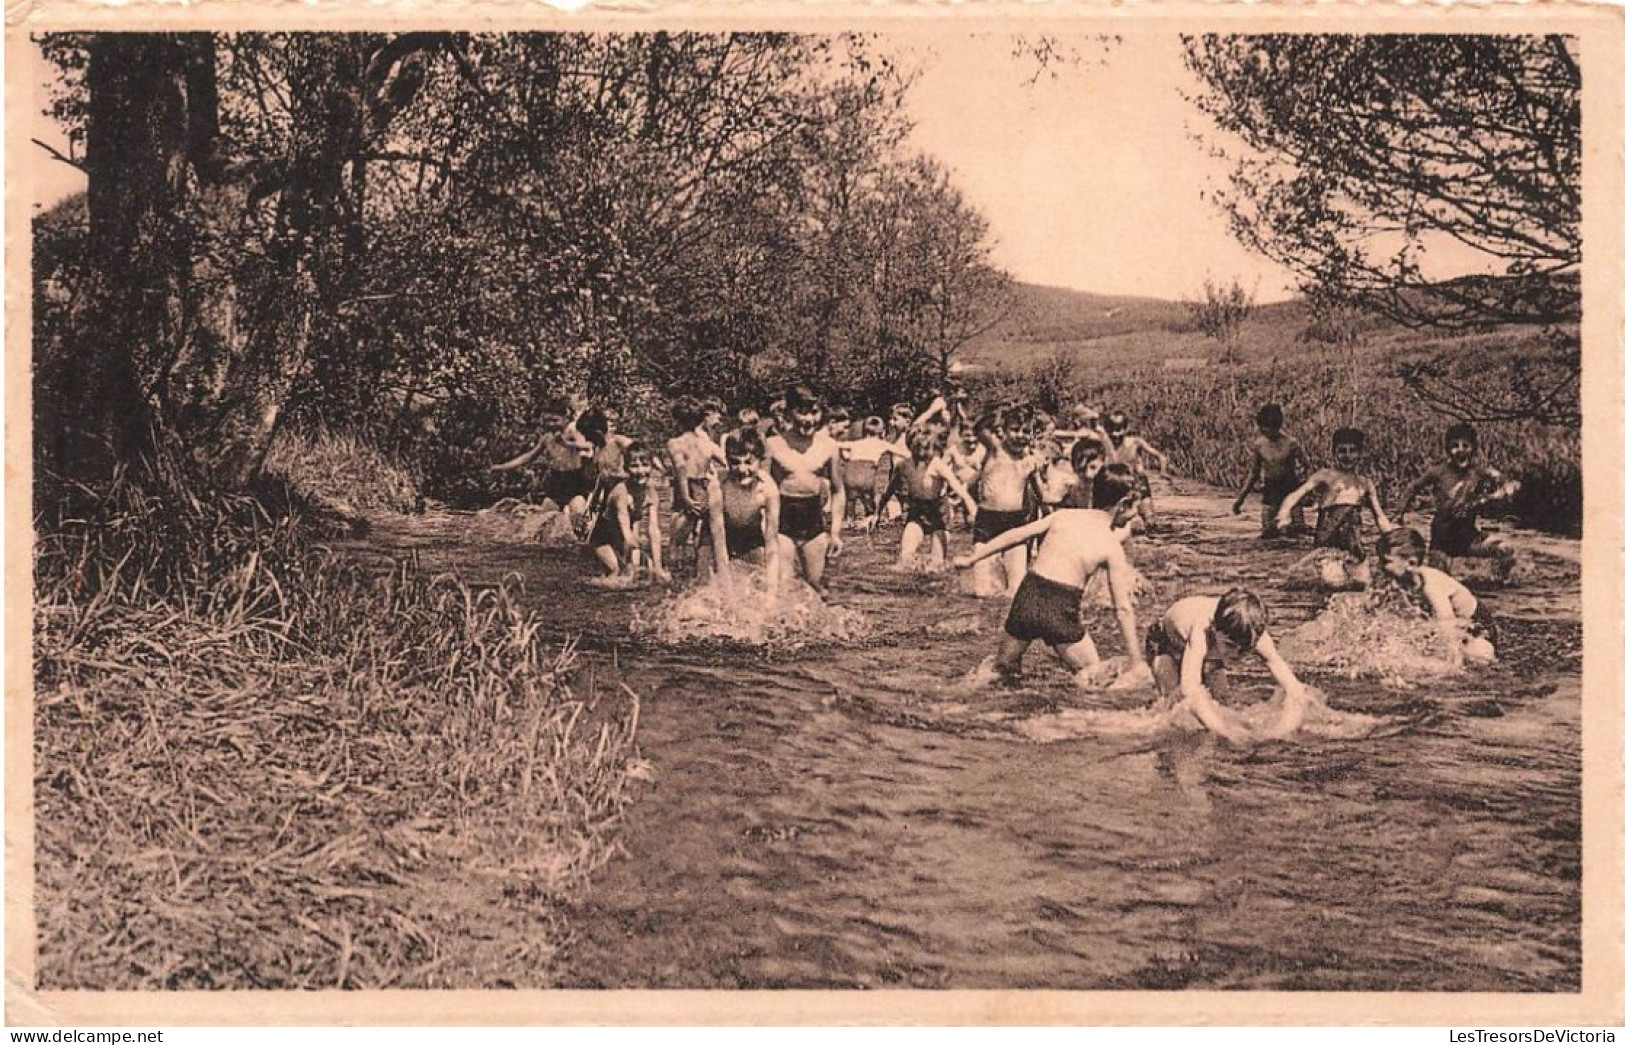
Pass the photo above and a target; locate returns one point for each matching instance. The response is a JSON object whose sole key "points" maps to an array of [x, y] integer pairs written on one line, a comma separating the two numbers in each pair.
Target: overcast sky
{"points": [[1088, 178]]}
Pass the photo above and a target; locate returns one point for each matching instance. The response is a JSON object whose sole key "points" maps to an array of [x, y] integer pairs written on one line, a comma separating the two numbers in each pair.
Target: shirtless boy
{"points": [[1001, 499], [1278, 461], [566, 481], [694, 455], [743, 512], [1461, 487], [802, 457], [922, 480], [1344, 493], [1077, 544]]}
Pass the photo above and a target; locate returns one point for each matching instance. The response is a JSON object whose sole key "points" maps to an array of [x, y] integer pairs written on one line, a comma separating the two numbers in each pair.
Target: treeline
{"points": [[421, 236]]}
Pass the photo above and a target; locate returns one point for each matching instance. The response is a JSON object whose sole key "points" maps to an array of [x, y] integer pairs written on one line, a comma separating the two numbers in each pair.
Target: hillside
{"points": [[1113, 329]]}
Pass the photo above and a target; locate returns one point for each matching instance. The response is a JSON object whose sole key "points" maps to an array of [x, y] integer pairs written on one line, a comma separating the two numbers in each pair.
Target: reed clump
{"points": [[259, 767]]}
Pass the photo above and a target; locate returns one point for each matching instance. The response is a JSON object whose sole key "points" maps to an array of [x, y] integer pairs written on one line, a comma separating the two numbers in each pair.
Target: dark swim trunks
{"points": [[742, 540], [1338, 526], [990, 523], [563, 486], [928, 515], [1276, 491], [1482, 626], [801, 518], [1454, 534], [1045, 610], [1160, 642]]}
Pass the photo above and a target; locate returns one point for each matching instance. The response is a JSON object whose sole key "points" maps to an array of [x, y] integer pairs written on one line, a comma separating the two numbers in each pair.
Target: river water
{"points": [[850, 812]]}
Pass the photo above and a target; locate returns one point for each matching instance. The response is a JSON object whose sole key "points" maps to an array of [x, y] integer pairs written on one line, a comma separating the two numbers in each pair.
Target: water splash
{"points": [[749, 613], [1320, 721], [1376, 635]]}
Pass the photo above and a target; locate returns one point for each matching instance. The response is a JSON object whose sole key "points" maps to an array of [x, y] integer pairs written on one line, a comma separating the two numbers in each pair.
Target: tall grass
{"points": [[257, 767], [343, 468]]}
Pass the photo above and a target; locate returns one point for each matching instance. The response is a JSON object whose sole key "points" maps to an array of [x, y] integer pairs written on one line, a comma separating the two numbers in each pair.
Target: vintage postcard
{"points": [[743, 514]]}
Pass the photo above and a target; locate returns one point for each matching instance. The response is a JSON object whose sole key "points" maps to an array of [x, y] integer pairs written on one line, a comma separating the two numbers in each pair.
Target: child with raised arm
{"points": [[743, 512], [1188, 649], [566, 483], [1400, 553], [1077, 544], [1124, 447], [921, 480], [630, 520], [1279, 462], [1001, 498], [801, 459], [1344, 493], [1461, 487]]}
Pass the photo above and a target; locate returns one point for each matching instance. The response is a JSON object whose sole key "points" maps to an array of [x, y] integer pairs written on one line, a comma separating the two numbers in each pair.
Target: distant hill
{"points": [[1118, 330]]}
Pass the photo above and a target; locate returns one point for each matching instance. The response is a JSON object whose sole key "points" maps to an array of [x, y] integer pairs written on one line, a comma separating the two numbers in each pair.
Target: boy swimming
{"points": [[1188, 648], [1343, 493], [1077, 544]]}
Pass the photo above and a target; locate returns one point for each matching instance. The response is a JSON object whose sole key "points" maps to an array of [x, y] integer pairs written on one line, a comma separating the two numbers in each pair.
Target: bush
{"points": [[257, 767]]}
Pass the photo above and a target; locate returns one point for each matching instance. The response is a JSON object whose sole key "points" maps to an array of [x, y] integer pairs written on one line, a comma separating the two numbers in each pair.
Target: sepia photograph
{"points": [[933, 505]]}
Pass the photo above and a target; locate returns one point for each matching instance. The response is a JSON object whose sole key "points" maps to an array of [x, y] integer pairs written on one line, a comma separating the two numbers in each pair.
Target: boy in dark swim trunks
{"points": [[1461, 488], [1278, 461], [567, 482], [1002, 497], [1343, 493], [1188, 647], [802, 459], [1077, 544], [629, 521], [921, 481], [743, 514]]}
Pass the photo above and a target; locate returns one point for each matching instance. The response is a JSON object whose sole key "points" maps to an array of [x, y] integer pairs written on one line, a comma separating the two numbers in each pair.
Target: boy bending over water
{"points": [[743, 513], [1077, 544], [1188, 648], [630, 519], [1441, 595]]}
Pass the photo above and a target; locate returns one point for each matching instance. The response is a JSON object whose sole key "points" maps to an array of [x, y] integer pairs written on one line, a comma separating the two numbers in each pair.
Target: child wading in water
{"points": [[1344, 494], [694, 456], [1001, 496], [1279, 462], [567, 482], [1461, 488], [1441, 595], [1077, 544], [921, 482], [630, 519], [1122, 447], [743, 515], [803, 458], [1188, 648]]}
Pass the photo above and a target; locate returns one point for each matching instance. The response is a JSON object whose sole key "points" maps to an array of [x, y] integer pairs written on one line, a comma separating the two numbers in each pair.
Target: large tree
{"points": [[1368, 160]]}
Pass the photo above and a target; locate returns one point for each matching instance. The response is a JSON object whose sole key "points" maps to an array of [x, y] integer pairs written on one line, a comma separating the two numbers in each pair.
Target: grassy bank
{"points": [[257, 767]]}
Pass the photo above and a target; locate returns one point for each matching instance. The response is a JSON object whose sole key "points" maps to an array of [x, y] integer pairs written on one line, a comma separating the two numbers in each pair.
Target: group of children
{"points": [[773, 492]]}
